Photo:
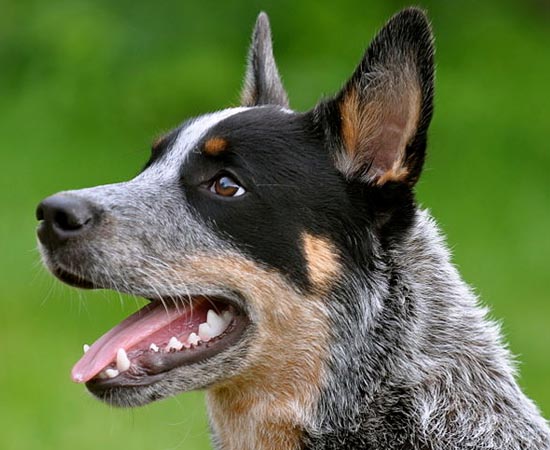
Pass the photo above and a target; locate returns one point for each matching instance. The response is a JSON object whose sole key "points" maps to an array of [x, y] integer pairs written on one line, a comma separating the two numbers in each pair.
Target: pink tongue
{"points": [[126, 334]]}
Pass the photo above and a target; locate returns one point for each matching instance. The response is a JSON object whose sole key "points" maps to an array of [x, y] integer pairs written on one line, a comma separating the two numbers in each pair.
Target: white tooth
{"points": [[193, 339], [227, 316], [205, 331], [217, 323], [111, 373], [153, 347], [122, 361], [174, 343], [101, 375], [86, 347]]}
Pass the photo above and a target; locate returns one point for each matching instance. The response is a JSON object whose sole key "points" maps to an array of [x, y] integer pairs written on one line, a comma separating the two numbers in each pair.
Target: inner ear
{"points": [[377, 124]]}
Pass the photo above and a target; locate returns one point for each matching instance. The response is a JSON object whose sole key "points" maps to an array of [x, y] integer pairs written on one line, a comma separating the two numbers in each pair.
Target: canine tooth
{"points": [[122, 361], [193, 339], [217, 323], [101, 375], [111, 373], [86, 347], [153, 347], [174, 343]]}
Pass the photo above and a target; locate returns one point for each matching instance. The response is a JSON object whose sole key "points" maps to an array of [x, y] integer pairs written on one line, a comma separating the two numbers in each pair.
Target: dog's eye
{"points": [[226, 186]]}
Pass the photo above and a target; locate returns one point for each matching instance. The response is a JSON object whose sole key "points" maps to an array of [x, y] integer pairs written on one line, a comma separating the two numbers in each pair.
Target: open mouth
{"points": [[163, 335], [160, 337]]}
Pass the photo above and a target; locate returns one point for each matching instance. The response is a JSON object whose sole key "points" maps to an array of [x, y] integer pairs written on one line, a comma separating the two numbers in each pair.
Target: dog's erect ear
{"points": [[377, 124], [262, 83]]}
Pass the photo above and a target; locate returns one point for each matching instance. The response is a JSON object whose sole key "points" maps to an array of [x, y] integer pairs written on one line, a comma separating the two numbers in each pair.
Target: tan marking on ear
{"points": [[396, 174], [215, 145], [359, 122], [322, 261], [271, 399], [348, 114]]}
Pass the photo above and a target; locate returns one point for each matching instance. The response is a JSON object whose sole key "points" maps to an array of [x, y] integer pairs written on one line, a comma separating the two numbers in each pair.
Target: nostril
{"points": [[69, 221]]}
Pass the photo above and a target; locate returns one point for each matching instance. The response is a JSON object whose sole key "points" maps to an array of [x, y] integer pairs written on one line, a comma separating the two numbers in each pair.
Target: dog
{"points": [[291, 273]]}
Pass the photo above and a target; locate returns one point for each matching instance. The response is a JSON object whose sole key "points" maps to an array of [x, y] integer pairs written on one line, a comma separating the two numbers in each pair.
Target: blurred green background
{"points": [[86, 85]]}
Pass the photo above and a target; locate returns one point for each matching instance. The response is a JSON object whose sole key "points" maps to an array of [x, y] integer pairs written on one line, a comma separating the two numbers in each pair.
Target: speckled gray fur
{"points": [[416, 363]]}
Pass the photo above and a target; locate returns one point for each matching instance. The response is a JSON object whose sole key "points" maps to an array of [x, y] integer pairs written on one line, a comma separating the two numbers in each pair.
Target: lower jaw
{"points": [[130, 396], [211, 371]]}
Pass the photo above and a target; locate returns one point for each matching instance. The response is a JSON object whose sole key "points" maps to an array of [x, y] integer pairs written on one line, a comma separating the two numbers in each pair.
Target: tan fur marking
{"points": [[267, 404], [322, 260], [215, 145], [397, 174], [360, 122], [348, 113]]}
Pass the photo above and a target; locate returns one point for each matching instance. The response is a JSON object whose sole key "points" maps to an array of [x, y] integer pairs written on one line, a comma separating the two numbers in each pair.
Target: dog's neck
{"points": [[425, 365], [413, 327], [254, 418]]}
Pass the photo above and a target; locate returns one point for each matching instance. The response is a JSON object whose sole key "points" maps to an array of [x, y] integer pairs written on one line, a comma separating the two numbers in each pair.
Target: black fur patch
{"points": [[280, 160]]}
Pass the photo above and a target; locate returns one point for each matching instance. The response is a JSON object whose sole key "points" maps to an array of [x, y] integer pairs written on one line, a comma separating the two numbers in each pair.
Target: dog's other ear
{"points": [[262, 83], [377, 124]]}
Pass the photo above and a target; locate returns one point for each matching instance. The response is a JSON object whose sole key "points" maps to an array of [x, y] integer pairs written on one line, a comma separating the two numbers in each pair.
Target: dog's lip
{"points": [[72, 279]]}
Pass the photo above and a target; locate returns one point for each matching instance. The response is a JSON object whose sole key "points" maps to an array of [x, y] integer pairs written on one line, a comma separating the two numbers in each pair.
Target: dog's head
{"points": [[244, 224]]}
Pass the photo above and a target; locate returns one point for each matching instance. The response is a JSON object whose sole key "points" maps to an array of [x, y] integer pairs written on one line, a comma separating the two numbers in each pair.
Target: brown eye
{"points": [[226, 186]]}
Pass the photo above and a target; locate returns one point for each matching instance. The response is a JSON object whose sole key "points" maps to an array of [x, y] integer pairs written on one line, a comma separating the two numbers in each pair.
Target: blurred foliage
{"points": [[86, 85]]}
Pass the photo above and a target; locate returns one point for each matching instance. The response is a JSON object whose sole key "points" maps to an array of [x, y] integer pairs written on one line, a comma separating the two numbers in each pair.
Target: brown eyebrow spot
{"points": [[215, 145]]}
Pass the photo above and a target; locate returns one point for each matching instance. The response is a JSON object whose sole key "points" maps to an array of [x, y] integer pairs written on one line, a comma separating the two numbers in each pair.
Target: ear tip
{"points": [[414, 18], [262, 21], [409, 28], [262, 15], [414, 14], [262, 29]]}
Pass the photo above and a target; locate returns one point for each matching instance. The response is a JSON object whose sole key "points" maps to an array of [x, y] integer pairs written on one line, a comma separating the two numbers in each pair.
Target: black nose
{"points": [[63, 217]]}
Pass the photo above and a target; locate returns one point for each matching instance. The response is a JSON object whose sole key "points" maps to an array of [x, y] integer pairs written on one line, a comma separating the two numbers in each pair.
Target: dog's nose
{"points": [[63, 217]]}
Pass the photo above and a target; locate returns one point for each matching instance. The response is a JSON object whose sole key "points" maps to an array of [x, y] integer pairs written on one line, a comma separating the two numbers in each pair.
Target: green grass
{"points": [[85, 86]]}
